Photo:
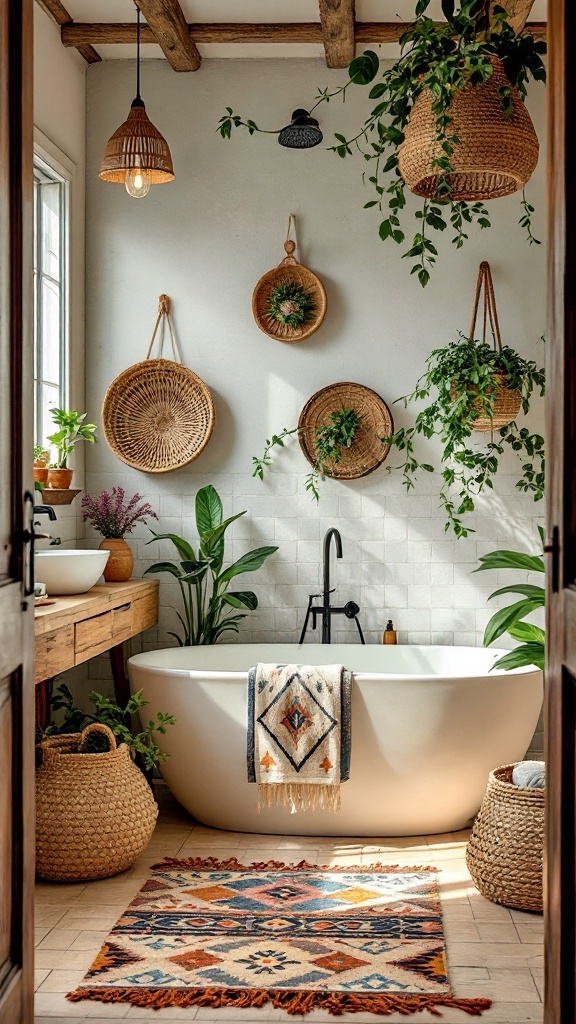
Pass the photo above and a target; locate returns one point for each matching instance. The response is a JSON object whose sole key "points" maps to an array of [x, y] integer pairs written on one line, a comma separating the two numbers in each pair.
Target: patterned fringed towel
{"points": [[299, 735]]}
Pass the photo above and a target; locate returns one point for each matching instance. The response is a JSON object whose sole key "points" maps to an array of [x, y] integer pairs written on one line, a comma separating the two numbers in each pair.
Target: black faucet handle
{"points": [[351, 610]]}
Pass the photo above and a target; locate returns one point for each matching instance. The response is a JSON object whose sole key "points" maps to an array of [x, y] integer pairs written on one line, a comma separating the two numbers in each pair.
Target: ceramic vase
{"points": [[120, 561]]}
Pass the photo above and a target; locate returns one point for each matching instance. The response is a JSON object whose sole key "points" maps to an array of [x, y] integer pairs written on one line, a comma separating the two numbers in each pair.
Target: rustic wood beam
{"points": [[55, 10], [337, 18], [170, 30], [517, 10], [79, 33]]}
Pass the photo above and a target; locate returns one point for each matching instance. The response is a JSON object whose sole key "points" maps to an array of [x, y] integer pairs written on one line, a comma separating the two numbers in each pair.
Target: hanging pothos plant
{"points": [[462, 383], [442, 58]]}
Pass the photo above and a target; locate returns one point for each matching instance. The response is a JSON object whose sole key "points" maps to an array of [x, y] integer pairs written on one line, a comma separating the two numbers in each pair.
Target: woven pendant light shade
{"points": [[137, 144]]}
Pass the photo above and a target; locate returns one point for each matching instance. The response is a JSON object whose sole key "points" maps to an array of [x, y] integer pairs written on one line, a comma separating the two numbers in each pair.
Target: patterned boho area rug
{"points": [[209, 933]]}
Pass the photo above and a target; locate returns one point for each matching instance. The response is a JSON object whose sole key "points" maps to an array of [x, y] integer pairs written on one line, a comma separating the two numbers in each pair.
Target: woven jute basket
{"points": [[158, 415], [495, 156], [505, 851], [95, 813], [290, 271], [366, 452]]}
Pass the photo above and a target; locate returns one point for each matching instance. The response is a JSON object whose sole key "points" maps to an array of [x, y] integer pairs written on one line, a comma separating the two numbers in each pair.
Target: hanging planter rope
{"points": [[507, 403], [289, 302], [158, 415], [495, 156], [367, 451]]}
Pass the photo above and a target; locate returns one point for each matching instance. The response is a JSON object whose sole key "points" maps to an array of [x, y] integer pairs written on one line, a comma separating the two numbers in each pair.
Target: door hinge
{"points": [[553, 548]]}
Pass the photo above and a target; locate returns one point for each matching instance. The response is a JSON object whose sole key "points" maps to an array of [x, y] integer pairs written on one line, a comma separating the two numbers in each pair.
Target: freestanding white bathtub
{"points": [[428, 724]]}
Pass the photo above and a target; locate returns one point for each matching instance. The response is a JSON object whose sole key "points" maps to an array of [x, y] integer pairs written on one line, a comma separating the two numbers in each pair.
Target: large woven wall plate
{"points": [[289, 270], [157, 416], [367, 451]]}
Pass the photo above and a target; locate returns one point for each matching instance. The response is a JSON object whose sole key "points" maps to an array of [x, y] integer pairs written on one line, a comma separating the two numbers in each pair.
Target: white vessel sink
{"points": [[69, 571]]}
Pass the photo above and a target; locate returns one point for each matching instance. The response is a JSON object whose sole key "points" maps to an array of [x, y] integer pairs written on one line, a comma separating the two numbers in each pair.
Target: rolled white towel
{"points": [[529, 775]]}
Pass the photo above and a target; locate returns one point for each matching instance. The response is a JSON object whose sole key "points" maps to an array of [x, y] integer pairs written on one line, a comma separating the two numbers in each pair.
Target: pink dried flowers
{"points": [[112, 516]]}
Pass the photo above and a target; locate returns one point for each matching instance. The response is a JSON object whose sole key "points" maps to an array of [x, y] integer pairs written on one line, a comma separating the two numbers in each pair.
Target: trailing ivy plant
{"points": [[329, 443], [442, 57], [290, 304], [509, 620], [460, 385]]}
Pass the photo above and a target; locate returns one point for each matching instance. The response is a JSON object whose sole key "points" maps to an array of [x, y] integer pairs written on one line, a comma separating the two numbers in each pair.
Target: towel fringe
{"points": [[295, 796]]}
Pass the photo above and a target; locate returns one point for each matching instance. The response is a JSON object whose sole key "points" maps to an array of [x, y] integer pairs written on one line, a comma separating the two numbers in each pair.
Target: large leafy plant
{"points": [[71, 429], [511, 618], [442, 58], [459, 385], [209, 609]]}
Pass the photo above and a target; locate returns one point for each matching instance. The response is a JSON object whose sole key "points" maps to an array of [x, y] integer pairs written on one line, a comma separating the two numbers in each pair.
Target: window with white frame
{"points": [[50, 296]]}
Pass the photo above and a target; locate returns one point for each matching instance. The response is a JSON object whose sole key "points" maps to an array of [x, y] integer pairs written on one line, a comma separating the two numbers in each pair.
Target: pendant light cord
{"points": [[138, 97]]}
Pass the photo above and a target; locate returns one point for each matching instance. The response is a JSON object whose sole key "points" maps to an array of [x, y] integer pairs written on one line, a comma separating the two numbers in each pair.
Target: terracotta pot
{"points": [[40, 474], [60, 478], [120, 562]]}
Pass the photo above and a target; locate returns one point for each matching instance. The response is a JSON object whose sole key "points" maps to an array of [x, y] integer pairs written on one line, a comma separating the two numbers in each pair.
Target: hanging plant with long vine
{"points": [[442, 58]]}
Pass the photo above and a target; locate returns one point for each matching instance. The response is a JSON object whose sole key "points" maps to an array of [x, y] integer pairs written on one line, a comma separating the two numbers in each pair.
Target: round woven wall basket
{"points": [[495, 157], [366, 452], [289, 271], [95, 813], [505, 851], [158, 415]]}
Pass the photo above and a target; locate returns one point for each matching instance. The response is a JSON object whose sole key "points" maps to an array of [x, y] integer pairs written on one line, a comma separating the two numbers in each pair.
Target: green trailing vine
{"points": [[442, 58], [459, 385], [290, 304], [329, 443]]}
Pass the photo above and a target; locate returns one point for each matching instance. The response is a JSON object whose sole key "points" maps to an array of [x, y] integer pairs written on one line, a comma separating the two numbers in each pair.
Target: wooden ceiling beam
{"points": [[58, 13], [518, 11], [168, 25], [337, 18]]}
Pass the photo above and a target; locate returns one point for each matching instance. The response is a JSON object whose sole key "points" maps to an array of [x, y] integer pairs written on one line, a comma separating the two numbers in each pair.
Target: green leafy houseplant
{"points": [[510, 619], [290, 304], [329, 443], [441, 58], [141, 745], [72, 429], [202, 578], [460, 383]]}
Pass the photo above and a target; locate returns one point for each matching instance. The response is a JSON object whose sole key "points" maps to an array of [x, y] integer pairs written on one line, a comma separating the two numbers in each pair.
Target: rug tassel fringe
{"points": [[294, 1003], [294, 796]]}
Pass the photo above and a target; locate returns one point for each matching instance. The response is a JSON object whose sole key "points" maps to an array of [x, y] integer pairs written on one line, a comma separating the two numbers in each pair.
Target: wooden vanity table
{"points": [[77, 628]]}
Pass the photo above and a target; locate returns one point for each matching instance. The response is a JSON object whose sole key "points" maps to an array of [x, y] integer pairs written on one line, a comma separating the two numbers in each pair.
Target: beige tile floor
{"points": [[492, 951]]}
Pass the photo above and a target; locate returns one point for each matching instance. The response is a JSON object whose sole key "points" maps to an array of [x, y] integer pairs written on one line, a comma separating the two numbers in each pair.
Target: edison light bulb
{"points": [[137, 182]]}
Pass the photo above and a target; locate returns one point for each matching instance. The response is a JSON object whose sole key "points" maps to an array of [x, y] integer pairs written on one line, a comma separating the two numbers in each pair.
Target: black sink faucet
{"points": [[45, 510], [350, 610]]}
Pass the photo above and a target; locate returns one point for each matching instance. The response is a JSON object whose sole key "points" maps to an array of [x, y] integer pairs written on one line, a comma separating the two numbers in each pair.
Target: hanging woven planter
{"points": [[495, 156], [289, 302], [158, 415], [367, 451]]}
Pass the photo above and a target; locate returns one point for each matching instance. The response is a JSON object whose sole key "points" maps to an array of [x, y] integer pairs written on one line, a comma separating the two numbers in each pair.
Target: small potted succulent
{"points": [[41, 460], [113, 516], [71, 429]]}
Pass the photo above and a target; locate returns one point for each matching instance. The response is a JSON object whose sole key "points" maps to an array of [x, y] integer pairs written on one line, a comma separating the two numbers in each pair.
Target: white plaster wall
{"points": [[205, 240]]}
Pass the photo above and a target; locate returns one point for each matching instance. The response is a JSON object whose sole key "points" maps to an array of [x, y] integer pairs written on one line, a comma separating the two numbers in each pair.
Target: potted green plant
{"points": [[71, 429], [113, 516], [462, 382], [203, 579], [41, 460], [431, 105]]}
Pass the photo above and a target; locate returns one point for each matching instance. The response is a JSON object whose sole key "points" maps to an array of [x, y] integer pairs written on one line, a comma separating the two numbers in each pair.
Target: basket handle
{"points": [[290, 244], [164, 317], [489, 313], [97, 727]]}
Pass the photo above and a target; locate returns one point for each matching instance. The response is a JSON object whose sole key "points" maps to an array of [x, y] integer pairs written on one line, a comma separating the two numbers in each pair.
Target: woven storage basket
{"points": [[95, 813], [289, 270], [504, 855], [495, 157], [367, 451], [158, 415]]}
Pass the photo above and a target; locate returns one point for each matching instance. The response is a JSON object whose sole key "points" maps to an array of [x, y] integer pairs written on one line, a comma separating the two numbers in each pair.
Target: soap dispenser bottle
{"points": [[389, 634]]}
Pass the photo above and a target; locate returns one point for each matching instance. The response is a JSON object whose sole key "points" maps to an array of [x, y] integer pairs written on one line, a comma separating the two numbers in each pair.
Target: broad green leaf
{"points": [[527, 589], [249, 562], [527, 632], [364, 68], [511, 560], [184, 549], [177, 638], [506, 617], [163, 567], [520, 657], [542, 533], [208, 509], [241, 599], [211, 537]]}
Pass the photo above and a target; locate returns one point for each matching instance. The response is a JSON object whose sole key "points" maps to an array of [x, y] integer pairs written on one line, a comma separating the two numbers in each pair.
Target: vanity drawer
{"points": [[145, 612], [54, 652], [122, 622], [93, 636]]}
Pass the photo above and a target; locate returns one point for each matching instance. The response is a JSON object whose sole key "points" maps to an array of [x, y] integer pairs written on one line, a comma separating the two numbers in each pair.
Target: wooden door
{"points": [[16, 610], [560, 868]]}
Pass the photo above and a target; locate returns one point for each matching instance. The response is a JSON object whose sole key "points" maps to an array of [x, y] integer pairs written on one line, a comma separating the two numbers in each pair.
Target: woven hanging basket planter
{"points": [[289, 272], [505, 851], [495, 157], [158, 415], [366, 452], [95, 813]]}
